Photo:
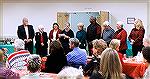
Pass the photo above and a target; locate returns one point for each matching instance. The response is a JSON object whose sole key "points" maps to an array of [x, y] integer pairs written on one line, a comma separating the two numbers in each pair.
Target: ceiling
{"points": [[74, 1]]}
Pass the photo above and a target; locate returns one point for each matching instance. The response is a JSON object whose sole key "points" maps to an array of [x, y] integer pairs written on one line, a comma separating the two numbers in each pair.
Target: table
{"points": [[139, 71], [132, 68], [9, 47]]}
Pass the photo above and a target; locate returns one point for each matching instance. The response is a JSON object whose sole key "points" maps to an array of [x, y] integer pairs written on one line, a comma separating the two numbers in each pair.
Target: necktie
{"points": [[41, 38]]}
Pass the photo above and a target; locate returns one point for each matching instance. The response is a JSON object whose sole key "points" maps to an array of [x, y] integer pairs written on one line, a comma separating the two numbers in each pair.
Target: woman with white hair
{"points": [[70, 73], [81, 35], [121, 35], [41, 41], [136, 37], [17, 60], [108, 32]]}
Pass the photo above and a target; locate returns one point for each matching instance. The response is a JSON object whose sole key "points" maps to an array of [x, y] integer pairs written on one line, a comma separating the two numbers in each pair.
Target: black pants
{"points": [[123, 51], [136, 49], [41, 52], [29, 47]]}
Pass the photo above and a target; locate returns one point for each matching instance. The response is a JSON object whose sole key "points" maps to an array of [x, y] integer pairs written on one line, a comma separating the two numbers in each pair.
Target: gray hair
{"points": [[70, 73], [114, 43], [120, 23], [34, 63], [75, 41], [19, 44], [80, 24], [106, 23]]}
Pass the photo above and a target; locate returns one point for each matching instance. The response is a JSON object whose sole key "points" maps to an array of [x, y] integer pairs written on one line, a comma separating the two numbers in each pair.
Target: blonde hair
{"points": [[114, 43], [138, 23], [1, 55], [100, 45], [110, 65]]}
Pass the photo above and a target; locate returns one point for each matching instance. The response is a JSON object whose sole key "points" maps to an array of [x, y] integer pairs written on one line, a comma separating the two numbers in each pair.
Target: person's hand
{"points": [[25, 40], [42, 44], [67, 36], [132, 41], [29, 40], [5, 50]]}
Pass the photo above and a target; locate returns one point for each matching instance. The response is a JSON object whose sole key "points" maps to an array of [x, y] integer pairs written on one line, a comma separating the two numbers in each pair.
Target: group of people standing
{"points": [[94, 31]]}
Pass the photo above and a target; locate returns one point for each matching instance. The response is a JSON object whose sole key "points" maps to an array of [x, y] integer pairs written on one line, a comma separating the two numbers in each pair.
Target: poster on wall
{"points": [[130, 20]]}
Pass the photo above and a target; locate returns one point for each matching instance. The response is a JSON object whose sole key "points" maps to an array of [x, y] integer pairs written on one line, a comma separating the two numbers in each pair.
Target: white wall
{"points": [[46, 13]]}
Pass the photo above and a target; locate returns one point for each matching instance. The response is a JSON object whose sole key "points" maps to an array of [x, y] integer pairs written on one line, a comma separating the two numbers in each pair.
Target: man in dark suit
{"points": [[26, 33], [41, 41]]}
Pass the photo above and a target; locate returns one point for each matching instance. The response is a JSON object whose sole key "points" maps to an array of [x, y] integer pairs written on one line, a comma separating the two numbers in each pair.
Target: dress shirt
{"points": [[26, 30], [54, 35], [77, 57]]}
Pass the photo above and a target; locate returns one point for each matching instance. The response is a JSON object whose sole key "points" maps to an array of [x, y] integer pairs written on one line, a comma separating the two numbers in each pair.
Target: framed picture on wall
{"points": [[130, 20]]}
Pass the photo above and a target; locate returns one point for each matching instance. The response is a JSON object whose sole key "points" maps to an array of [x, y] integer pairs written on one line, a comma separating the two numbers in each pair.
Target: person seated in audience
{"points": [[70, 73], [81, 36], [77, 57], [146, 42], [17, 60], [107, 33], [6, 73], [57, 59], [110, 66], [146, 55], [34, 65], [98, 47], [114, 44]]}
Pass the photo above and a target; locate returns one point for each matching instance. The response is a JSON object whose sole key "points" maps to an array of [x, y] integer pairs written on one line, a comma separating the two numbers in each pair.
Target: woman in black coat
{"points": [[41, 41]]}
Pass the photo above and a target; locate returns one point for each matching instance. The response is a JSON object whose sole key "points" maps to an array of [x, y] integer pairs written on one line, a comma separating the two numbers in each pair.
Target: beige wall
{"points": [[148, 20], [1, 15], [71, 1]]}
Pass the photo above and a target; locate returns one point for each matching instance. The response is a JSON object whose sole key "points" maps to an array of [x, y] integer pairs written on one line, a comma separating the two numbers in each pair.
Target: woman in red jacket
{"points": [[53, 35], [136, 37], [121, 35]]}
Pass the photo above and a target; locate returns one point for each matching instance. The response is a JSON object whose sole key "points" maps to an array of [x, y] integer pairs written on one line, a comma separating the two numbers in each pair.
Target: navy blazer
{"points": [[22, 34]]}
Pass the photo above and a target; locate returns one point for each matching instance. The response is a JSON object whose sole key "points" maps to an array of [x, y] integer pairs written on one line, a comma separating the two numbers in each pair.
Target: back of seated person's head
{"points": [[114, 44], [146, 42], [19, 44], [146, 53], [70, 73], [74, 41], [55, 47], [100, 45], [110, 65], [1, 56], [34, 63]]}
